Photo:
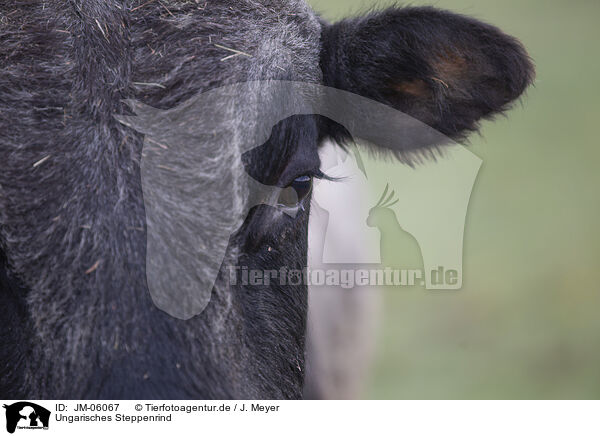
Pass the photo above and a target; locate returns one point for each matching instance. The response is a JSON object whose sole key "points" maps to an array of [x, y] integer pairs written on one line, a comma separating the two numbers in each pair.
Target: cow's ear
{"points": [[446, 70]]}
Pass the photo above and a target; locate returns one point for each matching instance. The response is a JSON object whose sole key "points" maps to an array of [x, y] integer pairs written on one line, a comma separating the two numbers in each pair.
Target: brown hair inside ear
{"points": [[449, 69], [450, 66], [414, 88]]}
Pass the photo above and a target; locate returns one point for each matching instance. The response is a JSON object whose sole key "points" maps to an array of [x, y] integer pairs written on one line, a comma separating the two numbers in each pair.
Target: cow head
{"points": [[81, 240]]}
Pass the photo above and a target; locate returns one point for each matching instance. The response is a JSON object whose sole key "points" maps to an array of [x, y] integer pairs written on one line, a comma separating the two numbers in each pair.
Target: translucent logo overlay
{"points": [[197, 193]]}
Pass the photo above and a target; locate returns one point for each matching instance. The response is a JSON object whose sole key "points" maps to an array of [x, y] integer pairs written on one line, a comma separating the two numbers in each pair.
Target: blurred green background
{"points": [[525, 324]]}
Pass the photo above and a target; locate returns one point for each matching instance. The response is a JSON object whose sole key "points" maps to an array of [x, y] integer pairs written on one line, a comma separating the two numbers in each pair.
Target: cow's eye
{"points": [[296, 192], [302, 185]]}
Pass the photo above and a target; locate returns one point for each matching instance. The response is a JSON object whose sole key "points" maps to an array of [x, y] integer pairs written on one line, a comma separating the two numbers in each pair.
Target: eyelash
{"points": [[302, 185], [318, 174]]}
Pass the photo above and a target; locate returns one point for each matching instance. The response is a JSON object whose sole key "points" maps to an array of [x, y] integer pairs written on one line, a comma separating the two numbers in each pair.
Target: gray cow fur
{"points": [[77, 319]]}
